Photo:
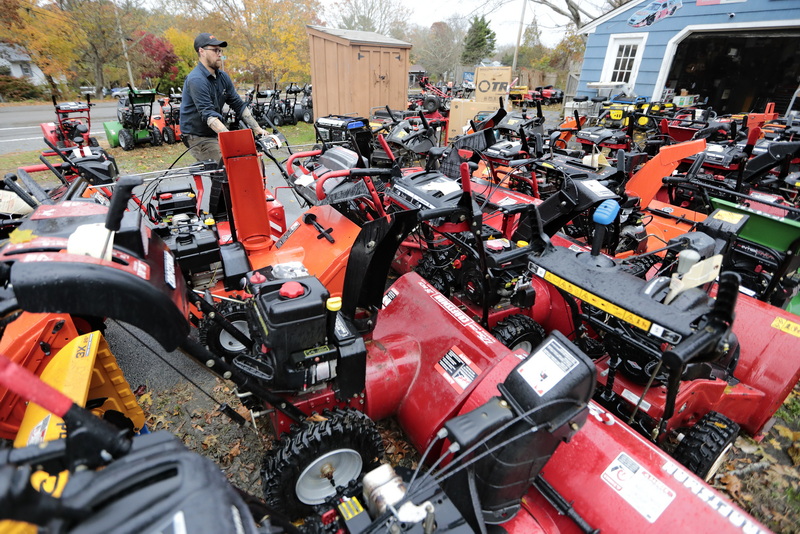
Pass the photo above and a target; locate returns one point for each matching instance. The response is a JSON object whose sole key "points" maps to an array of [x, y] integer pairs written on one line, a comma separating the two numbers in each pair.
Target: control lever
{"points": [[119, 201], [310, 218], [604, 215]]}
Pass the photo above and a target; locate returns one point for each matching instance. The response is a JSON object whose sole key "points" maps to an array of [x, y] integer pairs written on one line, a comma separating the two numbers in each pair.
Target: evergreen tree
{"points": [[479, 41]]}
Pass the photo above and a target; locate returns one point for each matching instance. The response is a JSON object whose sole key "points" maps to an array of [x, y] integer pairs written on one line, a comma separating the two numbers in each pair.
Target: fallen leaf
{"points": [[210, 441], [316, 418], [146, 400], [243, 411], [235, 450], [775, 444], [787, 433], [794, 453], [732, 484]]}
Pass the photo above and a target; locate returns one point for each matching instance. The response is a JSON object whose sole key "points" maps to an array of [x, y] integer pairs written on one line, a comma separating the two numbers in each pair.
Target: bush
{"points": [[16, 89]]}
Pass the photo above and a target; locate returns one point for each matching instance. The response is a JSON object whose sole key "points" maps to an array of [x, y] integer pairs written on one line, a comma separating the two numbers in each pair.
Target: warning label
{"points": [[547, 366], [457, 369], [638, 487], [389, 297]]}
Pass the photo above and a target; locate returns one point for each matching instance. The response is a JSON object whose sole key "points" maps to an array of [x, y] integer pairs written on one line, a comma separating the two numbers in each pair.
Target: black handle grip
{"points": [[673, 180], [424, 121], [727, 295], [34, 187], [358, 173], [696, 344], [435, 213], [119, 200], [56, 150], [11, 182]]}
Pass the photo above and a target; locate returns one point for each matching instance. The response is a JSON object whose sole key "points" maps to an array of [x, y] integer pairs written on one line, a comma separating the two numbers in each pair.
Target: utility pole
{"points": [[519, 36], [125, 44]]}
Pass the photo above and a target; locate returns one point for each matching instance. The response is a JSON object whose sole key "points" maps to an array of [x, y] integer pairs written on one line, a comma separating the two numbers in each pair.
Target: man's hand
{"points": [[259, 131], [269, 141]]}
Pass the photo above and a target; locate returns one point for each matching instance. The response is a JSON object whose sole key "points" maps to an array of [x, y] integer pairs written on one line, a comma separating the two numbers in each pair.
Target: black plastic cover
{"points": [[159, 487]]}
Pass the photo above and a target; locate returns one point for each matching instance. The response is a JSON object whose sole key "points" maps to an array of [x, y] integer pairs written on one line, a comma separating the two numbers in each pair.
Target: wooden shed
{"points": [[354, 71]]}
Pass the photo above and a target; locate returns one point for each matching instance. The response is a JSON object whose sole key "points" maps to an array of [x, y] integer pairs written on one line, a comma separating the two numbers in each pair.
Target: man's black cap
{"points": [[206, 39]]}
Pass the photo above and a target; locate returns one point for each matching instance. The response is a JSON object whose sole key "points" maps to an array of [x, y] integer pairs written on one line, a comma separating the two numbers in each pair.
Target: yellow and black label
{"points": [[597, 302], [308, 353], [349, 508], [728, 216], [785, 325]]}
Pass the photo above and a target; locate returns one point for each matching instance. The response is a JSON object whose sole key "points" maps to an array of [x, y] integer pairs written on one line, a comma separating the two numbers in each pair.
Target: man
{"points": [[206, 90]]}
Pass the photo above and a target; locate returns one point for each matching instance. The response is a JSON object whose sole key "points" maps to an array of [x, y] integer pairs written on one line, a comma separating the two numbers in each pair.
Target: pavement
{"points": [[20, 129]]}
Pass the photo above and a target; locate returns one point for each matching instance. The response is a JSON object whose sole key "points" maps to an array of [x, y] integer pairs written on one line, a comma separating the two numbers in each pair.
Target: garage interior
{"points": [[739, 71]]}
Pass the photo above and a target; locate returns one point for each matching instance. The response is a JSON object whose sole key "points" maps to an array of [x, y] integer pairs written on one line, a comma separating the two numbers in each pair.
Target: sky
{"points": [[503, 20]]}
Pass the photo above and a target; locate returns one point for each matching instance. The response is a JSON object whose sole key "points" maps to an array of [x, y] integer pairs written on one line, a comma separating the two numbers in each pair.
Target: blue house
{"points": [[737, 54]]}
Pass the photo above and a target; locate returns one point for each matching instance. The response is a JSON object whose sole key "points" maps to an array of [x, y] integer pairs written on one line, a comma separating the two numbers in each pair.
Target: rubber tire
{"points": [[216, 339], [169, 135], [517, 330], [706, 444], [308, 116], [126, 139], [297, 449], [155, 136], [430, 104], [650, 20], [93, 142], [277, 119]]}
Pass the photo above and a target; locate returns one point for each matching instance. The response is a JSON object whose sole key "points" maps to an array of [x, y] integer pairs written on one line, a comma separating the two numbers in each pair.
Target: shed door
{"points": [[384, 71]]}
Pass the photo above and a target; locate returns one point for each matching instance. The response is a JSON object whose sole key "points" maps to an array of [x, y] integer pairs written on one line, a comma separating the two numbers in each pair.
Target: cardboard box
{"points": [[491, 83], [461, 111]]}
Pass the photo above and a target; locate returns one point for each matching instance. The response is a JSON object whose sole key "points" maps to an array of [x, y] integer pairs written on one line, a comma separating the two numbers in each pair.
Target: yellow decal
{"points": [[728, 216], [349, 508], [784, 325], [21, 236], [597, 302], [318, 350]]}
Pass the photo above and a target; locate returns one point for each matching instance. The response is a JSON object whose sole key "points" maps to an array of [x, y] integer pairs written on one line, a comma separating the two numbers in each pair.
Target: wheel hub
{"points": [[319, 479], [231, 343]]}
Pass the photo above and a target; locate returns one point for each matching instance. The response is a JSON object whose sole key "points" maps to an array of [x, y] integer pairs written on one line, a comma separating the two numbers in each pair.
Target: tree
{"points": [[40, 30], [387, 17], [531, 49], [439, 47], [570, 48], [268, 40], [154, 58], [479, 41]]}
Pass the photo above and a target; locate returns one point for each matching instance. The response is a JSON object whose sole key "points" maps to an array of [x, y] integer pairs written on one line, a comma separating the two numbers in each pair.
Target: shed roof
{"points": [[359, 37]]}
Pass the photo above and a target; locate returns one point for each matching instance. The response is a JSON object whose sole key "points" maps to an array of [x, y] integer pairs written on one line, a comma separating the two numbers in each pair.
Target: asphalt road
{"points": [[20, 130]]}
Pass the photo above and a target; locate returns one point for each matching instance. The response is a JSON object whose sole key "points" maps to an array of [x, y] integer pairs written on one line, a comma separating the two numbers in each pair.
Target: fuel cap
{"points": [[292, 290]]}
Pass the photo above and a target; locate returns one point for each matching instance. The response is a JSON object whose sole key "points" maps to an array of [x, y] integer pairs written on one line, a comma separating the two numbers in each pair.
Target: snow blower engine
{"points": [[300, 338]]}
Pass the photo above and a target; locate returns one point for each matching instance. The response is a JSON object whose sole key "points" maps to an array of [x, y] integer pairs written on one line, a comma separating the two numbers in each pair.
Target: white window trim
{"points": [[614, 42], [672, 45]]}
